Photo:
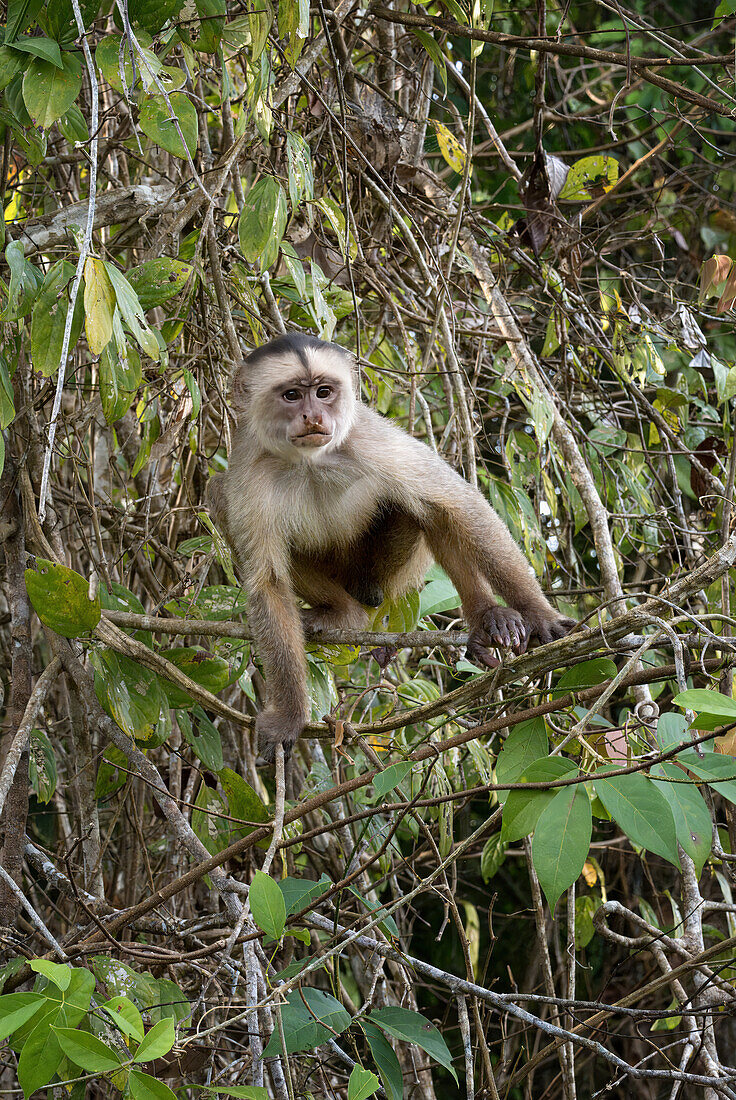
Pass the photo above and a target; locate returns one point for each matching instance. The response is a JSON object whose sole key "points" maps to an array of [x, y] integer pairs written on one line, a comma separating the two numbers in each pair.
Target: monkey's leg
{"points": [[490, 625], [332, 606], [274, 618]]}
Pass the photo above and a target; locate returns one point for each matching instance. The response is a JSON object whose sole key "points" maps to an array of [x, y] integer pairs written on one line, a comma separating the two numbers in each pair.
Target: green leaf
{"points": [[87, 1051], [125, 1016], [412, 1027], [390, 778], [156, 281], [434, 52], [301, 1022], [299, 165], [25, 282], [526, 743], [267, 905], [585, 907], [260, 20], [262, 222], [42, 766], [437, 596], [131, 312], [207, 670], [157, 1042], [362, 1084], [586, 674], [11, 62], [243, 801], [152, 15], [671, 729], [130, 694], [157, 124], [522, 808], [714, 768], [40, 47], [298, 892], [561, 841], [48, 91], [704, 701], [241, 1092], [386, 1060], [492, 856], [99, 304], [41, 1055], [144, 1087], [693, 823], [60, 598], [48, 319], [209, 820], [17, 1009], [642, 812], [120, 377], [7, 401], [589, 178]]}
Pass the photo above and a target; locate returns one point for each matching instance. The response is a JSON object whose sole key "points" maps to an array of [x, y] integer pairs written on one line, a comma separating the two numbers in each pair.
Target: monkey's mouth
{"points": [[312, 438]]}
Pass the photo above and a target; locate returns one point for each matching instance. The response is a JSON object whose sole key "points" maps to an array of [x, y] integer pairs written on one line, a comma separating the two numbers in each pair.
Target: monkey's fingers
{"points": [[480, 654]]}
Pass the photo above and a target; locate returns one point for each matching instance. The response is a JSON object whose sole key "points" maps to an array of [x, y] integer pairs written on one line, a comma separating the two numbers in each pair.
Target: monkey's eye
{"points": [[323, 392], [291, 395]]}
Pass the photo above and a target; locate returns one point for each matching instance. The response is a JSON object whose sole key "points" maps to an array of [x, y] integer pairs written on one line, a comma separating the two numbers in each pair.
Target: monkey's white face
{"points": [[304, 407]]}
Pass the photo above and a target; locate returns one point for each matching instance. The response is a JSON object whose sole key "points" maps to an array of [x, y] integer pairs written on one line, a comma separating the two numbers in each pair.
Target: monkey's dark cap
{"points": [[291, 343]]}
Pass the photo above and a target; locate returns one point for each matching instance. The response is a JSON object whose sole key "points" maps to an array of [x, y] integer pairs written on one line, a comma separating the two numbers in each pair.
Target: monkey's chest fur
{"points": [[326, 508]]}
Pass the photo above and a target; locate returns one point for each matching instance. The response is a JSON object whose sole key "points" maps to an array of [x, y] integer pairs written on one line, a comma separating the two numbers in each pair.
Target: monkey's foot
{"points": [[548, 627], [499, 627], [275, 728]]}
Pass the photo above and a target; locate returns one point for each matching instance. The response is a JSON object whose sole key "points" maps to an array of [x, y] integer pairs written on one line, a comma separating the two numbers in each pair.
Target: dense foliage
{"points": [[511, 883]]}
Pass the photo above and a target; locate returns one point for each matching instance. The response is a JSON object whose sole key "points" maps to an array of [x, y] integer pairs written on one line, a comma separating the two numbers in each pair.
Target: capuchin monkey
{"points": [[326, 501]]}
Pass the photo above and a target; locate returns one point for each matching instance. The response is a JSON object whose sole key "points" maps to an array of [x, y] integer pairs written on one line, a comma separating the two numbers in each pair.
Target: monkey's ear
{"points": [[239, 391]]}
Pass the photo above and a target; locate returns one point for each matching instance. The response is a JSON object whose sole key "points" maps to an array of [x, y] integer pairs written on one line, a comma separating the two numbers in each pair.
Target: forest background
{"points": [[505, 884]]}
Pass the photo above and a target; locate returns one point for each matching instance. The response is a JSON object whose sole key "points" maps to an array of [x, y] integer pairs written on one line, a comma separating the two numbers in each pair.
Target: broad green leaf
{"points": [[714, 768], [11, 62], [526, 743], [388, 925], [298, 892], [41, 1055], [336, 217], [585, 907], [436, 596], [99, 304], [25, 283], [522, 808], [60, 598], [588, 178], [125, 1016], [586, 674], [209, 820], [87, 1051], [153, 15], [492, 856], [108, 56], [42, 766], [169, 1002], [386, 1060], [693, 823], [262, 222], [131, 312], [207, 742], [299, 166], [43, 48], [267, 905], [643, 813], [73, 125], [301, 1022], [260, 20], [48, 319], [16, 1009], [412, 1027], [704, 701], [157, 1042], [434, 52], [49, 91], [157, 124], [362, 1084], [130, 694], [671, 730], [144, 1087], [120, 378], [390, 777], [561, 841], [244, 803], [155, 281], [7, 400], [206, 669], [59, 21]]}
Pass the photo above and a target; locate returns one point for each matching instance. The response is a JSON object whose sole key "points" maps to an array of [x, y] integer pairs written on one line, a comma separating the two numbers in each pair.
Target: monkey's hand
{"points": [[548, 626], [274, 728], [497, 628]]}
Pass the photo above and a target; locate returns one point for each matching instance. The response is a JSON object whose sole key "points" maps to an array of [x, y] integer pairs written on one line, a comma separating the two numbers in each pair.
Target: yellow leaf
{"points": [[450, 148], [99, 305], [589, 873]]}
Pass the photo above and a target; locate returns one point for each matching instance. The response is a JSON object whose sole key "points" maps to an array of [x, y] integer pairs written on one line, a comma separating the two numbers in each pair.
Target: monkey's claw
{"points": [[499, 627]]}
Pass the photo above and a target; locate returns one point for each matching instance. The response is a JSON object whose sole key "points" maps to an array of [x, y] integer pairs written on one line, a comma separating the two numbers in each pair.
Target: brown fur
{"points": [[327, 501]]}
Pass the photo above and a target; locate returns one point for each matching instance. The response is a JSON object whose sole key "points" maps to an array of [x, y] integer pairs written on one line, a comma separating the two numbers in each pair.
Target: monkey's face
{"points": [[302, 406]]}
